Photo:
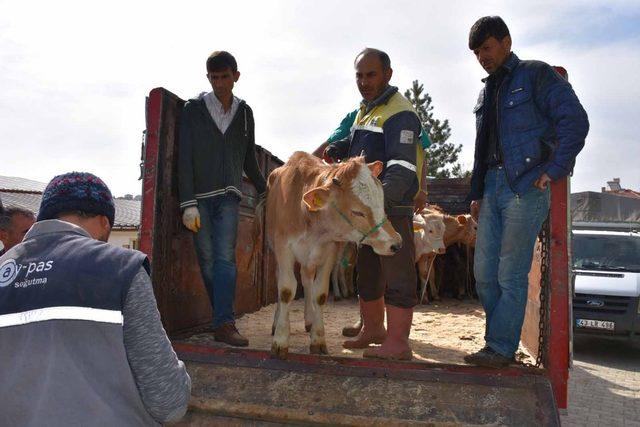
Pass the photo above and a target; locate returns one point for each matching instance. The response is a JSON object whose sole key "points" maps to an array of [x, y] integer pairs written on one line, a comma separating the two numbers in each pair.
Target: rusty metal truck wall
{"points": [[178, 286]]}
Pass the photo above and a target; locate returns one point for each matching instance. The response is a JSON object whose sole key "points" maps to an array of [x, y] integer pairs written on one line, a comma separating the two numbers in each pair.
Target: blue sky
{"points": [[74, 76]]}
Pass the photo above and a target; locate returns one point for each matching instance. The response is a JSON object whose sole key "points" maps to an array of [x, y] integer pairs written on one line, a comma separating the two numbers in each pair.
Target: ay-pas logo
{"points": [[9, 270]]}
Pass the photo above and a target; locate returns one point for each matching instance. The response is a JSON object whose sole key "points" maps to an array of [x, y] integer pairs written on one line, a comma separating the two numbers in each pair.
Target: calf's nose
{"points": [[441, 251], [395, 248]]}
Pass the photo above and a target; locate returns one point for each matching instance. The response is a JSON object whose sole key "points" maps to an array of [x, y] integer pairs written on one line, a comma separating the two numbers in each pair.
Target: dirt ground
{"points": [[442, 332]]}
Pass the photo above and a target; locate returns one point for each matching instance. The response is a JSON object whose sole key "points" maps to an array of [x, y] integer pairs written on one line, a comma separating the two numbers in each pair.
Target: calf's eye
{"points": [[357, 213]]}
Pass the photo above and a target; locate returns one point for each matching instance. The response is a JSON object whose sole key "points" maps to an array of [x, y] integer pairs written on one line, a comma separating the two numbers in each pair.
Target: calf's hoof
{"points": [[279, 352], [318, 349]]}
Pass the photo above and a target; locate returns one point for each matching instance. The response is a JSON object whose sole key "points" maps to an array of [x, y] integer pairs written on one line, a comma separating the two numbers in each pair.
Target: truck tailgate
{"points": [[248, 387]]}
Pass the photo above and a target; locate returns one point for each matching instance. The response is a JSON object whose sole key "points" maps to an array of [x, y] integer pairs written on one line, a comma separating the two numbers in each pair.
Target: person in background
{"points": [[14, 224], [79, 316]]}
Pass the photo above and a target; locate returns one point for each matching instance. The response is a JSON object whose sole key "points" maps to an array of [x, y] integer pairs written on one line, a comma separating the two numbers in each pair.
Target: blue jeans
{"points": [[507, 230], [216, 249]]}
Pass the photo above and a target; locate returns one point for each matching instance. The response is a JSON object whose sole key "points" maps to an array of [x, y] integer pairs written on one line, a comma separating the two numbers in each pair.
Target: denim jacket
{"points": [[540, 122]]}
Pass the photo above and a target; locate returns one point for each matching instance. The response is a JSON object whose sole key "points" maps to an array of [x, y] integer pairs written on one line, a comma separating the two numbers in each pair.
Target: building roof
{"points": [[27, 194], [625, 192], [12, 183]]}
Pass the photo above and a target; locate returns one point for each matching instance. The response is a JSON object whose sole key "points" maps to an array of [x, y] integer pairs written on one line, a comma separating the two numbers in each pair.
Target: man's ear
{"points": [[388, 74], [462, 219], [104, 222], [4, 236], [236, 76], [506, 42], [316, 199], [376, 168]]}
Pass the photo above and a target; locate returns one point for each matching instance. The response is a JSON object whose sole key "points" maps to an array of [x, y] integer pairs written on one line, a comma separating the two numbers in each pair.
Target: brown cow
{"points": [[458, 229], [310, 207]]}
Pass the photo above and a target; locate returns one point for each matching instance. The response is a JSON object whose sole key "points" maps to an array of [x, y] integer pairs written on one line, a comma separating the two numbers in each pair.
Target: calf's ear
{"points": [[375, 167], [316, 198], [462, 219]]}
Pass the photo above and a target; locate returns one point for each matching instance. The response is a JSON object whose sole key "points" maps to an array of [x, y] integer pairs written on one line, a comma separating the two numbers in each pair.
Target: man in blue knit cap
{"points": [[79, 315]]}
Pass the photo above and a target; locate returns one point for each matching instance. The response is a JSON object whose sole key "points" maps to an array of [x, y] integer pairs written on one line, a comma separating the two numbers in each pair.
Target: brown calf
{"points": [[310, 207]]}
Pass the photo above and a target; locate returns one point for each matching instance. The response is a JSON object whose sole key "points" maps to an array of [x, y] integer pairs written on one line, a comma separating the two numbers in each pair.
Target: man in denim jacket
{"points": [[530, 127]]}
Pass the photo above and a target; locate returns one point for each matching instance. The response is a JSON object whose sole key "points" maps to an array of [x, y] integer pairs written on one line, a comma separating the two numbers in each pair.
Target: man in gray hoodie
{"points": [[217, 143]]}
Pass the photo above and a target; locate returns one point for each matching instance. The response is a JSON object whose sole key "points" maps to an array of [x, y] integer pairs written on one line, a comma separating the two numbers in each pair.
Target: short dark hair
{"points": [[485, 27], [384, 58], [220, 60], [9, 212]]}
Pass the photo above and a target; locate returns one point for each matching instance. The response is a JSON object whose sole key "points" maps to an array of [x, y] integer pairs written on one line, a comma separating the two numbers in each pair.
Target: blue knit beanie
{"points": [[77, 191]]}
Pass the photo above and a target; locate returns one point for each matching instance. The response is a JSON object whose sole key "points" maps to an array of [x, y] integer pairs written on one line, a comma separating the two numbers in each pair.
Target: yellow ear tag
{"points": [[416, 228], [317, 201]]}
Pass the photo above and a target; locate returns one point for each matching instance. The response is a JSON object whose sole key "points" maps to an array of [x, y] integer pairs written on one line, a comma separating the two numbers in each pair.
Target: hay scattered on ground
{"points": [[442, 332]]}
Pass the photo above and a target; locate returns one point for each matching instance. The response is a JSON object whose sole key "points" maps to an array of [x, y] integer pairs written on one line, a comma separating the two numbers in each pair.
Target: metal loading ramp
{"points": [[248, 387]]}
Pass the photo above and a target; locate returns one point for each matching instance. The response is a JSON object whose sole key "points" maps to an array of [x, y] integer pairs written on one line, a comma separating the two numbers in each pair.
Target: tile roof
{"points": [[127, 211], [13, 183]]}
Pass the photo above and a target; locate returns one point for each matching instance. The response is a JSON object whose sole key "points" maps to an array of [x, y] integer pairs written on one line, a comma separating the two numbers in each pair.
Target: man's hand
{"points": [[330, 154], [191, 218], [475, 209], [318, 152], [542, 182], [420, 201]]}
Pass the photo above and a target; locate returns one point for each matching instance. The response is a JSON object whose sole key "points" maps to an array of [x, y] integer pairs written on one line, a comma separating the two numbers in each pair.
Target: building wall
{"points": [[125, 238]]}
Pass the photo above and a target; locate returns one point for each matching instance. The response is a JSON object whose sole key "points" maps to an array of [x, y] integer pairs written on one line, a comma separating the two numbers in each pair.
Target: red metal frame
{"points": [[558, 340], [340, 361], [149, 178]]}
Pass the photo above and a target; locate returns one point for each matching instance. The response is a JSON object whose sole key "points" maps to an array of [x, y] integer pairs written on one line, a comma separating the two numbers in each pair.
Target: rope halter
{"points": [[348, 221]]}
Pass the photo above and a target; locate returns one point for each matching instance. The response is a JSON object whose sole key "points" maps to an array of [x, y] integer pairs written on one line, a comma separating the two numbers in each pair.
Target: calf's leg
{"points": [[319, 292], [286, 291]]}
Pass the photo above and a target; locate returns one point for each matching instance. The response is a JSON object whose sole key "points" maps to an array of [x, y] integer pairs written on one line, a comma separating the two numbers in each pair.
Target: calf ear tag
{"points": [[315, 199]]}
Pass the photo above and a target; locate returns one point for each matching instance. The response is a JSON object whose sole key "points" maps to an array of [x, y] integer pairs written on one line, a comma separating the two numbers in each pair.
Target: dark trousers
{"points": [[393, 277]]}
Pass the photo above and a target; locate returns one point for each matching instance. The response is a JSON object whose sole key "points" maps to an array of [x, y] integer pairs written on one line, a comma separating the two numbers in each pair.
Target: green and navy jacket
{"points": [[387, 129]]}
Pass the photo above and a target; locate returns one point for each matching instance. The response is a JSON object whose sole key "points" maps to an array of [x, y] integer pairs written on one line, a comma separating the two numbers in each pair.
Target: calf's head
{"points": [[430, 233], [469, 229], [350, 205]]}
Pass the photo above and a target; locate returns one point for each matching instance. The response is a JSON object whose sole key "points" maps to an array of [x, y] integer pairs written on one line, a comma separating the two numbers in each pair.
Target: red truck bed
{"points": [[247, 387]]}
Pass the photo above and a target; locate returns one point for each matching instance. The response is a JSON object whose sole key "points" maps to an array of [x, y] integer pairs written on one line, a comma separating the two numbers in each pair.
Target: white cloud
{"points": [[74, 75]]}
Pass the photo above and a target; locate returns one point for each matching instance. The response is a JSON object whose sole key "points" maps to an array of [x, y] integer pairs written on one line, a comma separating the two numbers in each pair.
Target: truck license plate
{"points": [[595, 324]]}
